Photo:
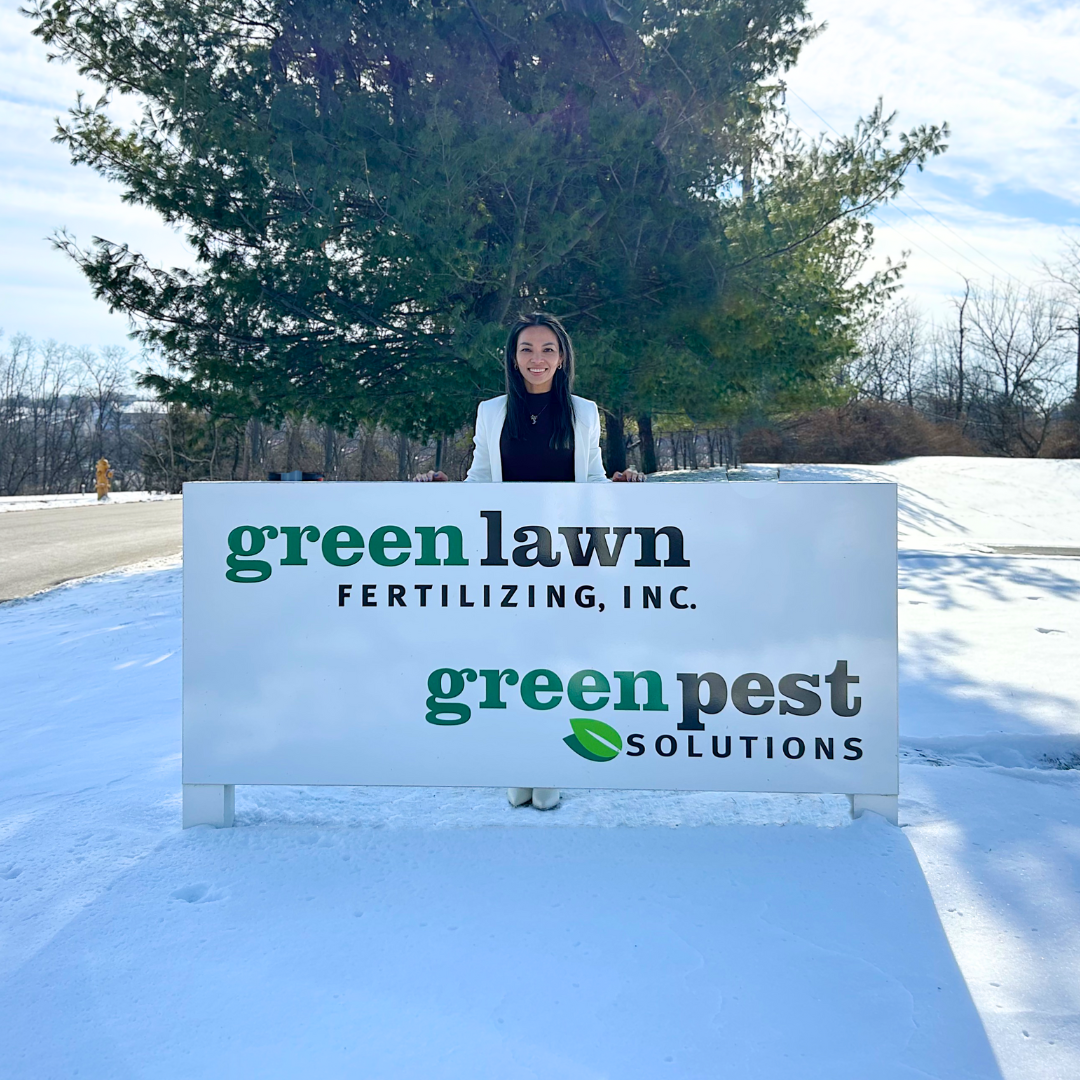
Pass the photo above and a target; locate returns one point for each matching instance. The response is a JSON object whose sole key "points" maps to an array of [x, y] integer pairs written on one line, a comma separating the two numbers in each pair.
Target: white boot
{"points": [[545, 798], [519, 796]]}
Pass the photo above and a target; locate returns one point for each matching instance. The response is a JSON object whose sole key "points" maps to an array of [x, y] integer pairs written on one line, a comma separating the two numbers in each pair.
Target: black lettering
{"points": [[690, 747], [752, 685], [839, 680], [423, 593], [532, 596], [648, 547], [801, 745], [395, 596], [494, 538], [748, 739], [584, 596], [597, 543], [487, 596], [626, 596], [367, 596], [343, 593], [556, 594], [463, 598], [691, 698], [673, 598], [509, 591], [856, 750], [446, 596], [821, 746], [768, 746], [537, 551], [637, 747], [790, 688], [716, 746], [650, 596], [671, 739]]}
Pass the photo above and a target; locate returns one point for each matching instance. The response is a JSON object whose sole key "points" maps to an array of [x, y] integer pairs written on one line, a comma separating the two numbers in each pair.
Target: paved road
{"points": [[42, 548]]}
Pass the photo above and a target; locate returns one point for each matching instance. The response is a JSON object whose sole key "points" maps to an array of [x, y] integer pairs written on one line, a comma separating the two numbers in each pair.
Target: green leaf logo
{"points": [[593, 739]]}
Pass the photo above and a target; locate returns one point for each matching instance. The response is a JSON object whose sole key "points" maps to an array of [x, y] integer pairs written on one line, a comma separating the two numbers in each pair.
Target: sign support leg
{"points": [[209, 804], [885, 805]]}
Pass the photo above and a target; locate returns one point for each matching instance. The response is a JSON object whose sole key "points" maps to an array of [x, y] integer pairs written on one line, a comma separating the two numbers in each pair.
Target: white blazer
{"points": [[487, 456]]}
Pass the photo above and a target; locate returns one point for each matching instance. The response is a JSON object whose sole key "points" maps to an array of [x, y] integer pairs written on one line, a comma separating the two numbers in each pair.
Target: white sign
{"points": [[735, 637]]}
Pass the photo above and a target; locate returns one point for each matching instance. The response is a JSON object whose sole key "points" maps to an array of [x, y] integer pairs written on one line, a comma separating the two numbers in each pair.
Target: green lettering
{"points": [[293, 535], [587, 682], [341, 538], [386, 539], [454, 553], [628, 696], [244, 542], [541, 681], [493, 678], [441, 710]]}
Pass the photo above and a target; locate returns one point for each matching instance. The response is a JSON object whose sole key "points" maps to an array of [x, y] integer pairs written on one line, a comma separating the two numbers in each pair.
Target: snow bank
{"points": [[11, 503], [956, 504]]}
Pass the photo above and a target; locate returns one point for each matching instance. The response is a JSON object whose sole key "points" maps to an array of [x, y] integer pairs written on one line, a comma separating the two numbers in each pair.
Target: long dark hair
{"points": [[562, 408]]}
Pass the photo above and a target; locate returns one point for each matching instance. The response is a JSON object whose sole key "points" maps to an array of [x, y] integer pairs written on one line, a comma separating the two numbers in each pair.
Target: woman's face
{"points": [[538, 358]]}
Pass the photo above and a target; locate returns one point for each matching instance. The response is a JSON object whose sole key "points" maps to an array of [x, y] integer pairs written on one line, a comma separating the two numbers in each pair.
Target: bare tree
{"points": [[890, 359], [60, 410], [1017, 338], [1064, 275]]}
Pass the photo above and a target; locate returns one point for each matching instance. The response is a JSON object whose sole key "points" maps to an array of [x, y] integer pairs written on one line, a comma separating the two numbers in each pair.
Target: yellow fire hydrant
{"points": [[103, 476]]}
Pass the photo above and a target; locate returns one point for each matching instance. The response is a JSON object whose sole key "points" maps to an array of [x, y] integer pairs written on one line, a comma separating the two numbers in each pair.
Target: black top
{"points": [[531, 456]]}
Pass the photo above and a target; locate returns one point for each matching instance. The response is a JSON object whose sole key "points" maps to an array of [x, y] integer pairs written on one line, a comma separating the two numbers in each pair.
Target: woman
{"points": [[538, 430]]}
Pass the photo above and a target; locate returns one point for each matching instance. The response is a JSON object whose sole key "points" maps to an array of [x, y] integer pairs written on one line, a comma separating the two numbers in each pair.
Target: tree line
{"points": [[1003, 371], [62, 408]]}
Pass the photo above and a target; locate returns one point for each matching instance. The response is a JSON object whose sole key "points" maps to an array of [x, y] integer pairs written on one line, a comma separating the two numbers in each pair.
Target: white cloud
{"points": [[1005, 78], [41, 291]]}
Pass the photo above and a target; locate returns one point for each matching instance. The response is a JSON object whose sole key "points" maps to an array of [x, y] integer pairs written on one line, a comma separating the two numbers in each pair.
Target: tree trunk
{"points": [[648, 444], [615, 448], [367, 455], [294, 445], [329, 451], [732, 458], [403, 457]]}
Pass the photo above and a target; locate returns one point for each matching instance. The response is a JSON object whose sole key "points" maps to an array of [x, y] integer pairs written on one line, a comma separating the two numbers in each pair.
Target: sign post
{"points": [[728, 637]]}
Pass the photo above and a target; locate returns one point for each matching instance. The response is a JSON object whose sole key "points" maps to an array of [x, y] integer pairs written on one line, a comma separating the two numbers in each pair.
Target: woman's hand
{"points": [[628, 476], [430, 477]]}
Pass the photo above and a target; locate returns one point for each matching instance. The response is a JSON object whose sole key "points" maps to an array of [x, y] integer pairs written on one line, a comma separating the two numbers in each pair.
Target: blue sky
{"points": [[1005, 76]]}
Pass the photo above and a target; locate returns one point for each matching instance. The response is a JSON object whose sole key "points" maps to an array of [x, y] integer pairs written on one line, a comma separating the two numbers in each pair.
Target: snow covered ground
{"points": [[398, 933], [11, 503]]}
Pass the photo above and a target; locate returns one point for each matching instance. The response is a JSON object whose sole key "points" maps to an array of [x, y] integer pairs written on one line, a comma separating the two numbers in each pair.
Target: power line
{"points": [[945, 225], [913, 243], [966, 258]]}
